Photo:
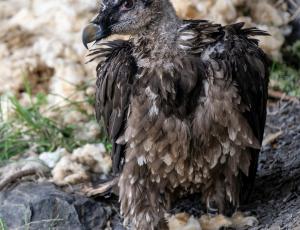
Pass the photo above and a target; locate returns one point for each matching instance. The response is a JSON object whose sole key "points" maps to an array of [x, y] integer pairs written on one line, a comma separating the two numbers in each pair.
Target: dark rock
{"points": [[44, 206]]}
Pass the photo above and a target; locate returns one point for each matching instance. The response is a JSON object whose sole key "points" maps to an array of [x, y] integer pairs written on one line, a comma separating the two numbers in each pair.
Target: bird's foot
{"points": [[183, 221]]}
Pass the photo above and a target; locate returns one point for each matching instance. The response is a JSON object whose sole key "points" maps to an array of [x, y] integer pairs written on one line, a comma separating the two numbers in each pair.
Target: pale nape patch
{"points": [[183, 221]]}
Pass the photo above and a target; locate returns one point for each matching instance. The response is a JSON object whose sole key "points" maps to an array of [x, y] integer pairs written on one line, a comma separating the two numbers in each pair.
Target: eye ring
{"points": [[127, 5]]}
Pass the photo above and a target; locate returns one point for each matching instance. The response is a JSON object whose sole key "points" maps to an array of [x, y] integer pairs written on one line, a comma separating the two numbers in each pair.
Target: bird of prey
{"points": [[184, 104]]}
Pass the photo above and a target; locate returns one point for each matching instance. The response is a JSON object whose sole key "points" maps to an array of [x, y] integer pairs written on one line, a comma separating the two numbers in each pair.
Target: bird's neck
{"points": [[161, 34]]}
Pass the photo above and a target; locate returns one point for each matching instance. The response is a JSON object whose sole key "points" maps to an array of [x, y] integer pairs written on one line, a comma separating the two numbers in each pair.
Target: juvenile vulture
{"points": [[184, 104]]}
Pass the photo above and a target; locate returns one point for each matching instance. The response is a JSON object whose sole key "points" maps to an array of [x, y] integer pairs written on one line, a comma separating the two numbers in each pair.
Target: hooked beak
{"points": [[92, 33]]}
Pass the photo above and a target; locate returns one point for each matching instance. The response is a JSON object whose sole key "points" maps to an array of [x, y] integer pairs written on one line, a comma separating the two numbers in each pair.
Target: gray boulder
{"points": [[44, 206]]}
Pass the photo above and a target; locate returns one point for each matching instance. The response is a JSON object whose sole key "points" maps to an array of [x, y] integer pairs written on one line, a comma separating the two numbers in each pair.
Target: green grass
{"points": [[286, 78], [12, 141], [2, 225], [29, 128]]}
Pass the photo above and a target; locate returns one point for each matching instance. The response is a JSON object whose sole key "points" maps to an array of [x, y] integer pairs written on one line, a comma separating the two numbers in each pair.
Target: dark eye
{"points": [[127, 5]]}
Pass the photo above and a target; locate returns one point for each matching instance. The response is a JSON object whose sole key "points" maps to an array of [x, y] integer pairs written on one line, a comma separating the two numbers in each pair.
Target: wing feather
{"points": [[115, 74], [249, 72], [236, 84]]}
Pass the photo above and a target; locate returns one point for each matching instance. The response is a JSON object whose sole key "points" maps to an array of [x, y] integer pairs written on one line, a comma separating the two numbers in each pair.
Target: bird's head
{"points": [[122, 17]]}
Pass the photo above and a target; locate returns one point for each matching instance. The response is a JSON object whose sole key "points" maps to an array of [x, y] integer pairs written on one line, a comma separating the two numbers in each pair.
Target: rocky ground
{"points": [[275, 200]]}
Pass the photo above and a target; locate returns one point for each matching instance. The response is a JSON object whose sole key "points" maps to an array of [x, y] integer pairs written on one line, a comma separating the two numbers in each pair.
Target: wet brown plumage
{"points": [[184, 104]]}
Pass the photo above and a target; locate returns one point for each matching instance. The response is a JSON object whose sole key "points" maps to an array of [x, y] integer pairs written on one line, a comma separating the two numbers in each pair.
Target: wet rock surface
{"points": [[275, 200]]}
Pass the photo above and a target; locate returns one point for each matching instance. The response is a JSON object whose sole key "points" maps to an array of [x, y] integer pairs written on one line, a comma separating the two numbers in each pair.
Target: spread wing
{"points": [[234, 97], [115, 74]]}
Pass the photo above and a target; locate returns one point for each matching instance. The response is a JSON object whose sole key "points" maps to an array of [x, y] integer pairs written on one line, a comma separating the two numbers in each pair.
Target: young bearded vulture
{"points": [[184, 104]]}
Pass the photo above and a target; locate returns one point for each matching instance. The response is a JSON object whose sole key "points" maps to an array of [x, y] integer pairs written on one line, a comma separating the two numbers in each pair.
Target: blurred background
{"points": [[47, 90]]}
